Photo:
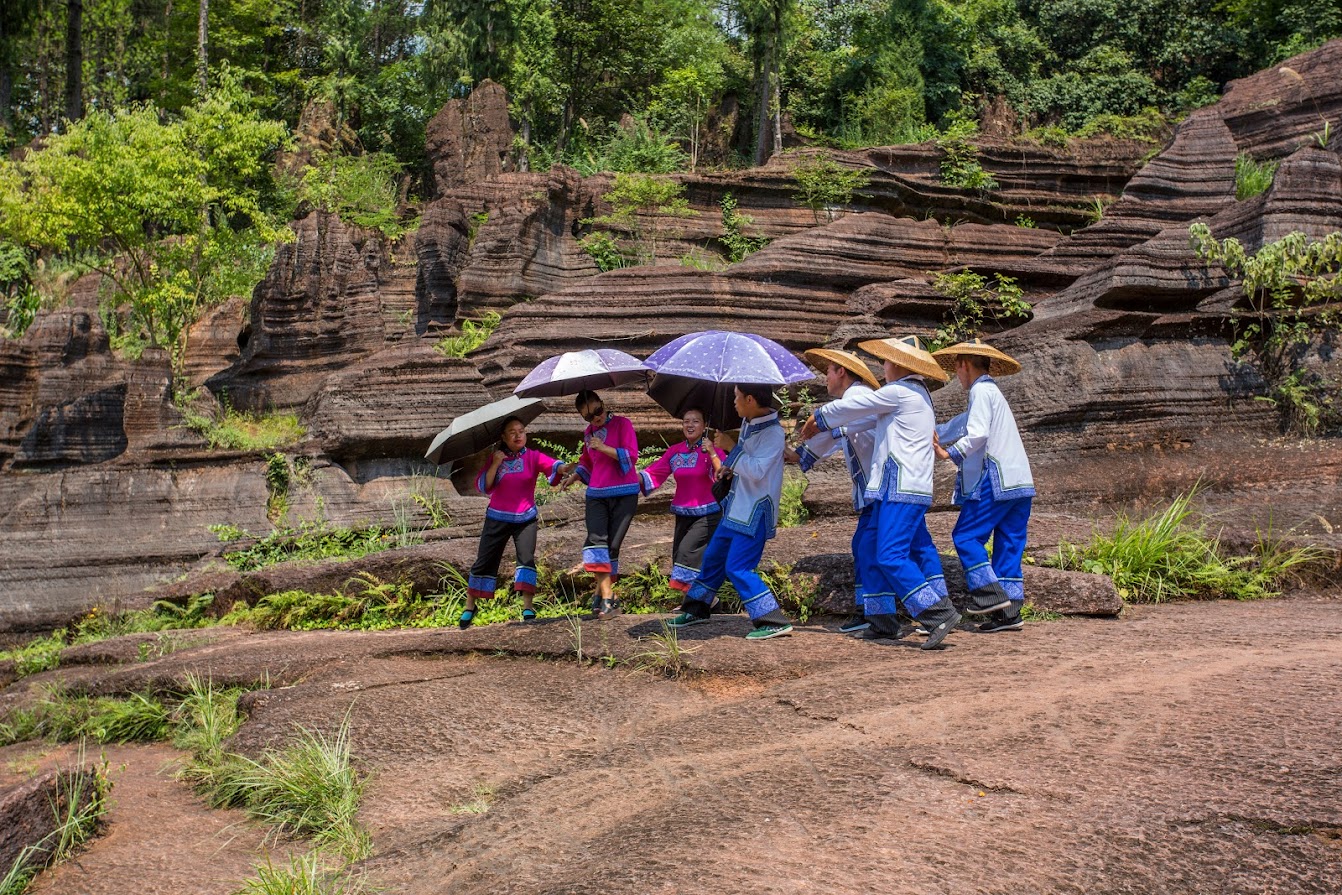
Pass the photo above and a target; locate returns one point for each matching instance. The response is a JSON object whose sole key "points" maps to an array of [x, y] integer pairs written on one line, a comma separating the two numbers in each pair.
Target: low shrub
{"points": [[471, 335], [312, 541], [1166, 557]]}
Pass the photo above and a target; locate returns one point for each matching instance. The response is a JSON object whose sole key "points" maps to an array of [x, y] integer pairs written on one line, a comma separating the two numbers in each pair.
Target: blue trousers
{"points": [[1005, 521], [864, 547], [895, 576], [733, 556]]}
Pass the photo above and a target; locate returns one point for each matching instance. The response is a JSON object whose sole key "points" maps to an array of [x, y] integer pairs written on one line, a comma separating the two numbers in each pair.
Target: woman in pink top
{"points": [[606, 467], [694, 463], [510, 482]]}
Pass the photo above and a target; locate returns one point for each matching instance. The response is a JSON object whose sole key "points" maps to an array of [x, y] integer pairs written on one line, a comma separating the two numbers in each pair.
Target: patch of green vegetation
{"points": [[361, 189], [797, 595], [1025, 221], [65, 717], [310, 541], [240, 430], [791, 510], [734, 223], [647, 590], [824, 185], [472, 335], [664, 654], [309, 874], [78, 808], [960, 166], [43, 653], [483, 797], [974, 302], [1253, 178], [604, 249], [1166, 557], [1293, 288]]}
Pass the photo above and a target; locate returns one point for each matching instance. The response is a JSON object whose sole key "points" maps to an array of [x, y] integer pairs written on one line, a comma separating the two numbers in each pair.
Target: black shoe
{"points": [[854, 624], [882, 627], [939, 620], [1004, 620], [609, 609], [988, 599]]}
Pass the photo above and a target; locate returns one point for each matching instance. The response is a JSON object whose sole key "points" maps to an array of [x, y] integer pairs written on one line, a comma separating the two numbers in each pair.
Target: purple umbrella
{"points": [[576, 371], [700, 370]]}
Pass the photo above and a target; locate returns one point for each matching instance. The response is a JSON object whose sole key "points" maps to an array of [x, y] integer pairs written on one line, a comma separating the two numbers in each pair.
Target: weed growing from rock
{"points": [[826, 186], [305, 875], [79, 806], [238, 430], [665, 655], [308, 541], [1253, 178], [472, 334], [1165, 557]]}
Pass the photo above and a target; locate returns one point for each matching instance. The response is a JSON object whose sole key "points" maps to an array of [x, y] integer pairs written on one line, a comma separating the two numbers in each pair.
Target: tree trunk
{"points": [[763, 119], [778, 112], [6, 97], [74, 59], [203, 48]]}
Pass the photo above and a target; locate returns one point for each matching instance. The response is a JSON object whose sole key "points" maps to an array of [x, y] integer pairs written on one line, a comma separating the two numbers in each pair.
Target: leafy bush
{"points": [[639, 148], [974, 303], [604, 249], [1164, 557], [797, 595], [824, 185], [239, 430], [360, 189], [640, 205], [960, 166], [1253, 178], [734, 237], [1293, 289], [473, 334]]}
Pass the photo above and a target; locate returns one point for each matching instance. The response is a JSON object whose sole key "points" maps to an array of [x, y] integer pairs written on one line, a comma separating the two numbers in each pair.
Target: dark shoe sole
{"points": [[994, 628], [936, 635], [854, 629], [977, 609]]}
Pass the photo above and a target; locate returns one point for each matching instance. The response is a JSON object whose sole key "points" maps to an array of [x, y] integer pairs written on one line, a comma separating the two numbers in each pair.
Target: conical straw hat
{"points": [[907, 352], [821, 358], [1000, 364]]}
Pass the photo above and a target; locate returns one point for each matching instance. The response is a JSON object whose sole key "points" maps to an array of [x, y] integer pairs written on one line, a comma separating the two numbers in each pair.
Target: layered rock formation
{"points": [[1129, 387]]}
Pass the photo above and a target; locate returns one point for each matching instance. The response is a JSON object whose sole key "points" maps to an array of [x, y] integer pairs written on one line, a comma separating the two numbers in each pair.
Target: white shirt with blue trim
{"points": [[902, 459], [757, 483], [856, 440], [990, 453]]}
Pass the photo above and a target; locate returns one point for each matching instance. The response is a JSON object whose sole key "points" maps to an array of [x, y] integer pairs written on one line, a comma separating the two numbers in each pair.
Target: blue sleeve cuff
{"points": [[806, 459], [645, 483], [555, 474], [584, 474], [731, 458], [626, 463], [819, 419], [956, 457], [480, 482]]}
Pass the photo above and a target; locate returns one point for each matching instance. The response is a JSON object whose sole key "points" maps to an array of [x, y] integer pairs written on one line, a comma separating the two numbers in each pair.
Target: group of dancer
{"points": [[889, 441]]}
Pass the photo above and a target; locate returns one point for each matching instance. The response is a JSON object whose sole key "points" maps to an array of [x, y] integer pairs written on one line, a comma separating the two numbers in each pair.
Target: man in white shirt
{"points": [[899, 484], [749, 521], [994, 487], [844, 373]]}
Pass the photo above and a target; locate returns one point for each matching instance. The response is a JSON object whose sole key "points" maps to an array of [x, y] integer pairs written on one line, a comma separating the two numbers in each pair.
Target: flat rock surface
{"points": [[1180, 748]]}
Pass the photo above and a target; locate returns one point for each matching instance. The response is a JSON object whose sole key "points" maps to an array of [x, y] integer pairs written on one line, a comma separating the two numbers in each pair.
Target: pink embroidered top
{"points": [[604, 476], [513, 496], [693, 472]]}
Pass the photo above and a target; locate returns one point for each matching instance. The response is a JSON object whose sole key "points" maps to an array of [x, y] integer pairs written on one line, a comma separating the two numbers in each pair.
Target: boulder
{"points": [[470, 139], [31, 812]]}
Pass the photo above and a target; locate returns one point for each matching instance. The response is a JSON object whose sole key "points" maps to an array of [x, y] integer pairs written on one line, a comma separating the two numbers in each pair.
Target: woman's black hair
{"points": [[504, 428], [763, 394], [583, 398]]}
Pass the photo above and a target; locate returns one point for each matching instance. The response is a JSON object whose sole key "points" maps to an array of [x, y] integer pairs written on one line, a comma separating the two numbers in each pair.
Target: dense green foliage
{"points": [[1293, 306], [975, 304]]}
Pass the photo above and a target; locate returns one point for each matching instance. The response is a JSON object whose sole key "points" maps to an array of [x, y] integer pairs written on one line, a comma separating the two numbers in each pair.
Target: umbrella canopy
{"points": [[481, 428], [575, 371], [700, 371], [718, 356]]}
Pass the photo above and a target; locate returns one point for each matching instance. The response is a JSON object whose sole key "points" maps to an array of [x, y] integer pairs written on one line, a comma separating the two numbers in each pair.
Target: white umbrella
{"points": [[576, 371], [480, 428]]}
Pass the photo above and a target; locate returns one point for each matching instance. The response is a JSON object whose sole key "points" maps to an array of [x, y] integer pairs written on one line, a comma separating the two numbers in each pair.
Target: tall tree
{"points": [[74, 59], [203, 48]]}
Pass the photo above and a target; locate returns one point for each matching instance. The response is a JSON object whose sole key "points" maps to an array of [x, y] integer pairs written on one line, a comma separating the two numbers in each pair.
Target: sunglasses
{"points": [[594, 414]]}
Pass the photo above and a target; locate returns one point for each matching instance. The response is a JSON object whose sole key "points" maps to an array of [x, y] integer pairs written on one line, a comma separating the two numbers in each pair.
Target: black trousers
{"points": [[687, 547], [493, 539], [608, 521]]}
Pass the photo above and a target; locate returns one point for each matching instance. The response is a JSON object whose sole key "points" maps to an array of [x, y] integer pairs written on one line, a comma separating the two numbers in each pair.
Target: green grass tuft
{"points": [[1166, 557], [473, 334], [791, 511], [1252, 178], [305, 875]]}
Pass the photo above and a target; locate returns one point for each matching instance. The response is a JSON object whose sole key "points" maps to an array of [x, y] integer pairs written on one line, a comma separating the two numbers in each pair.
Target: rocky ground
{"points": [[1181, 748]]}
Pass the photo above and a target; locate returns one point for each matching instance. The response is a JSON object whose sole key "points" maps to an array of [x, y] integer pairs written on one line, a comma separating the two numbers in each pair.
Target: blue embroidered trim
{"points": [[980, 577], [503, 516], [525, 575], [707, 509], [806, 458], [761, 514], [482, 583], [889, 489], [920, 600], [1015, 588], [683, 574], [684, 460], [596, 556], [645, 482], [622, 457], [584, 475], [614, 490]]}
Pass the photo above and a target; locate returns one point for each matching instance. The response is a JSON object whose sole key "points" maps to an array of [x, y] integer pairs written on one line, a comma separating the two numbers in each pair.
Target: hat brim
{"points": [[913, 359], [821, 358], [999, 363]]}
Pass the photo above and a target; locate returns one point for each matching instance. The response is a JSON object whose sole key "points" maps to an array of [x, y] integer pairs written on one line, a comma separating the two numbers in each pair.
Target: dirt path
{"points": [[1191, 748]]}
